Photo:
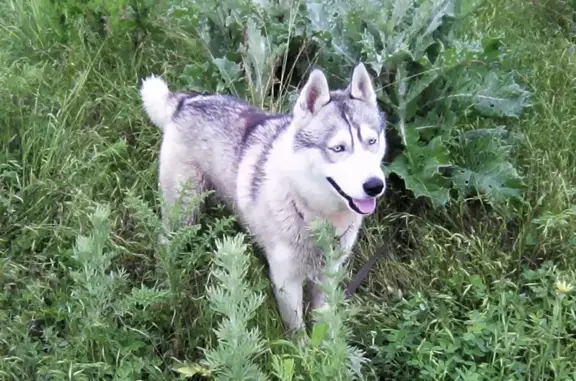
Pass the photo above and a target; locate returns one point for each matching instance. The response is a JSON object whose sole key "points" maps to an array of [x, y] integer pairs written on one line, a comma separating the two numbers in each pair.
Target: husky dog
{"points": [[277, 173]]}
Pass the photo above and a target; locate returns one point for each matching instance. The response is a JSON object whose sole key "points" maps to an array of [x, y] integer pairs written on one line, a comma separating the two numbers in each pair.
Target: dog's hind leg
{"points": [[186, 196], [182, 184]]}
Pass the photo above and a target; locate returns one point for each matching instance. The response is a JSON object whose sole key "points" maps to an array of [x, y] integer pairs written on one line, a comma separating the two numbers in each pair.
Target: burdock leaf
{"points": [[498, 181], [259, 60], [421, 183], [483, 165], [501, 97], [491, 93], [228, 70], [419, 166]]}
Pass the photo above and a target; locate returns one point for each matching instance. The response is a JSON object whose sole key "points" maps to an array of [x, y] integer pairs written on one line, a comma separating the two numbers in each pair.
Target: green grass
{"points": [[468, 293]]}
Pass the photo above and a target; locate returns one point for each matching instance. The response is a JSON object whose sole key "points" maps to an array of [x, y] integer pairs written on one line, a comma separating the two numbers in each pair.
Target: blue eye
{"points": [[372, 141], [338, 148]]}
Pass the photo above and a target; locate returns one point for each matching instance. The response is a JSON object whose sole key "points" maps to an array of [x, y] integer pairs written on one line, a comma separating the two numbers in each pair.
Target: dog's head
{"points": [[339, 142]]}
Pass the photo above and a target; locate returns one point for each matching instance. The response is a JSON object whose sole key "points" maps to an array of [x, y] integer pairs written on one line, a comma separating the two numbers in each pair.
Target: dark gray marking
{"points": [[259, 173], [377, 125], [200, 106], [345, 104], [361, 140], [305, 139], [360, 135], [210, 105], [184, 96], [343, 112], [339, 96], [254, 118]]}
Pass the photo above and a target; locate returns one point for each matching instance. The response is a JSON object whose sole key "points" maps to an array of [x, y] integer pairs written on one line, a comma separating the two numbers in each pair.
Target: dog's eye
{"points": [[372, 141], [338, 148]]}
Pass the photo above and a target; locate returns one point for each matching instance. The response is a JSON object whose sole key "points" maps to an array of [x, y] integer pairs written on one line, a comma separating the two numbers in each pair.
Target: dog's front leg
{"points": [[346, 244], [288, 280]]}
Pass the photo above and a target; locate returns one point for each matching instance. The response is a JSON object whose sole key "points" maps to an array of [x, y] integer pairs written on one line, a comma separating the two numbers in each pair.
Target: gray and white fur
{"points": [[277, 173]]}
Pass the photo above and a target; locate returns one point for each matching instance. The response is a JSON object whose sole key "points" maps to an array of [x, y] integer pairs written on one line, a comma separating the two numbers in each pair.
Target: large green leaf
{"points": [[229, 71], [259, 59], [501, 96], [419, 166], [386, 32], [413, 90], [421, 182], [451, 61], [497, 180], [491, 93], [484, 165]]}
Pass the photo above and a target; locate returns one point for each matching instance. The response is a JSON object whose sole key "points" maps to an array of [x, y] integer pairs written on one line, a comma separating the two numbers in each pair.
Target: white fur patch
{"points": [[155, 97]]}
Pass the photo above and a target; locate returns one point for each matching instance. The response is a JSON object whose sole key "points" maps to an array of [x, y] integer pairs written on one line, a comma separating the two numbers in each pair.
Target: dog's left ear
{"points": [[361, 85]]}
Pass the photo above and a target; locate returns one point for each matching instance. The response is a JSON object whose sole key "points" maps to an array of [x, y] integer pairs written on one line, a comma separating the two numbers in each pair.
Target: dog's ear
{"points": [[314, 95], [361, 85]]}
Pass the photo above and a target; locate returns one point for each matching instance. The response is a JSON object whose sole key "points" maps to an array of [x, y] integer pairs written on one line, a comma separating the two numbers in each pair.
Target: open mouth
{"points": [[363, 206]]}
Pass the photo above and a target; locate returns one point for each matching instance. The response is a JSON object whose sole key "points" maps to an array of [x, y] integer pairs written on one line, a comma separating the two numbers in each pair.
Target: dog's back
{"points": [[204, 134]]}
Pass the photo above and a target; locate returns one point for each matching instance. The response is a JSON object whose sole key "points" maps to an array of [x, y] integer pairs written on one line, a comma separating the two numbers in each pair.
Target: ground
{"points": [[464, 293]]}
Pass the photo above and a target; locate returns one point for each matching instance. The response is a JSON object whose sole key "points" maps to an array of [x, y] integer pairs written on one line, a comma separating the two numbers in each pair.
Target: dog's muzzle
{"points": [[364, 206]]}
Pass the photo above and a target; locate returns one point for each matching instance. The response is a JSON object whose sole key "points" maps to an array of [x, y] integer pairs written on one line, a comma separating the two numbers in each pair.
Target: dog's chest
{"points": [[342, 221]]}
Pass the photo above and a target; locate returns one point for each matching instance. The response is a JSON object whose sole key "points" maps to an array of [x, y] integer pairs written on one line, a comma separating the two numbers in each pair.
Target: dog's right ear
{"points": [[314, 95]]}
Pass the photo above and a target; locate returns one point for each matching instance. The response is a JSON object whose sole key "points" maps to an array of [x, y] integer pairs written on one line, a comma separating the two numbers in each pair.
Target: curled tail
{"points": [[158, 101]]}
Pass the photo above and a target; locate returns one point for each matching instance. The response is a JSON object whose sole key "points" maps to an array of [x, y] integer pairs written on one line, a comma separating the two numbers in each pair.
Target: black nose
{"points": [[373, 186]]}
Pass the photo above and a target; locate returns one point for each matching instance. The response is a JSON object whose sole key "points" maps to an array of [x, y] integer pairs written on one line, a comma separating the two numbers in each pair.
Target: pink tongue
{"points": [[366, 206]]}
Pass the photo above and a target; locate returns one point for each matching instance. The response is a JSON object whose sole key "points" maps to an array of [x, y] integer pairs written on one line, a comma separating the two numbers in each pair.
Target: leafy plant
{"points": [[424, 72], [233, 298], [475, 330], [426, 75], [328, 354], [325, 353]]}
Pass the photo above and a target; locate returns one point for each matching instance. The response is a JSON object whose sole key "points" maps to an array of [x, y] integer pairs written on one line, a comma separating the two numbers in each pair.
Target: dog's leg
{"points": [[181, 186], [317, 295], [347, 241], [288, 281]]}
